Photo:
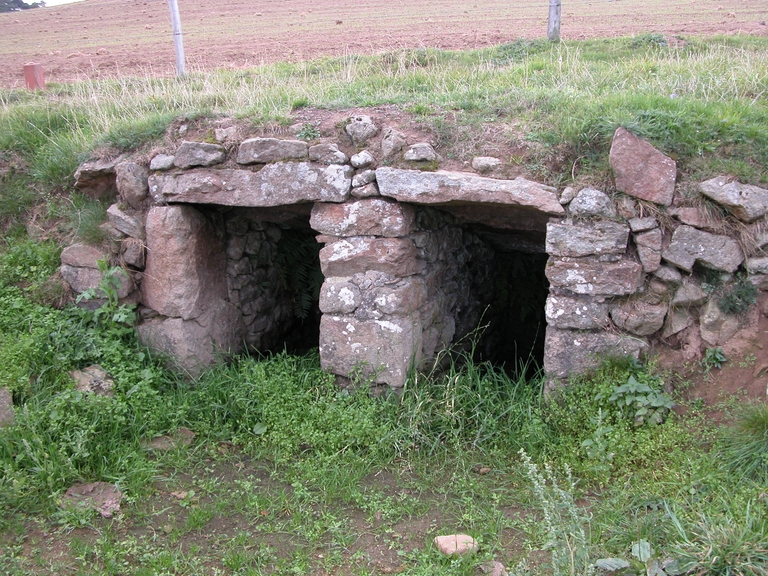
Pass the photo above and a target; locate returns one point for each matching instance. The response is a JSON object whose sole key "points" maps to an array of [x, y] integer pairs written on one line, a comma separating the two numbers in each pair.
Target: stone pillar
{"points": [[371, 328], [185, 283]]}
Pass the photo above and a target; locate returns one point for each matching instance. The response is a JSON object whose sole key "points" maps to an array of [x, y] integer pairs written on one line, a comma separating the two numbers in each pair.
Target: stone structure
{"points": [[215, 239]]}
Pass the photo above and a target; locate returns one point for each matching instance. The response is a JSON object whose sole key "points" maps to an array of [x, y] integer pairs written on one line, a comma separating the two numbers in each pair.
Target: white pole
{"points": [[553, 30], [178, 41]]}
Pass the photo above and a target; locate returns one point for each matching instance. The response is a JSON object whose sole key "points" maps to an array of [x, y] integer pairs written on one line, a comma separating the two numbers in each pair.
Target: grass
{"points": [[287, 474]]}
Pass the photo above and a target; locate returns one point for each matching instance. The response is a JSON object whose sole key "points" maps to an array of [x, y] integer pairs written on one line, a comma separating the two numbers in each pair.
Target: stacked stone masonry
{"points": [[405, 274]]}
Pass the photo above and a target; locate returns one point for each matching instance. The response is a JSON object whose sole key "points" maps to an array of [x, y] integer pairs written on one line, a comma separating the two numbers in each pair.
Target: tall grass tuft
{"points": [[470, 405], [745, 443]]}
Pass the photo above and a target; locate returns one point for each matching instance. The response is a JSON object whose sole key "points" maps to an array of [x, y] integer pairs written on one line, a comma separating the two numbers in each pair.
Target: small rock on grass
{"points": [[493, 568], [182, 437], [101, 496], [93, 379], [456, 544], [6, 408]]}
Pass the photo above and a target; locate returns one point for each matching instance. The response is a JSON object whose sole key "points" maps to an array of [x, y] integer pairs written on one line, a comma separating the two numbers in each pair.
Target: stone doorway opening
{"points": [[274, 277], [514, 320]]}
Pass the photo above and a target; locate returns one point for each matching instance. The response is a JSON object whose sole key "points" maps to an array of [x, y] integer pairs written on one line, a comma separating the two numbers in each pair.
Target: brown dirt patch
{"points": [[107, 38]]}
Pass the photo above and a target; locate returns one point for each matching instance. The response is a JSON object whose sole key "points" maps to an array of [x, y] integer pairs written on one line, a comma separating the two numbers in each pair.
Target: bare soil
{"points": [[105, 38]]}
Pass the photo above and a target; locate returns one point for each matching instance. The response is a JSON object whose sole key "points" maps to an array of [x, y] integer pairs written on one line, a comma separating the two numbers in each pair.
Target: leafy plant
{"points": [[308, 132], [597, 446], [713, 358], [738, 297], [641, 403]]}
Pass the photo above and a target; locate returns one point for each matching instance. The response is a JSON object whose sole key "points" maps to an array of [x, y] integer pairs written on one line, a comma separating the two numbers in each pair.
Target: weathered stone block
{"points": [[339, 296], [640, 170], [592, 203], [96, 179], [576, 313], [132, 252], [485, 164], [591, 276], [401, 299], [382, 350], [690, 216], [638, 225], [367, 217], [327, 154], [392, 142], [757, 265], [420, 152], [368, 191], [131, 181], [191, 154], [689, 294], [83, 256], [266, 150], [677, 321], [639, 317], [668, 274], [129, 224], [572, 352], [586, 238], [362, 159], [361, 129], [649, 249], [194, 344], [444, 187], [276, 184], [456, 544], [690, 245], [746, 202], [348, 256], [185, 270], [161, 162], [716, 326]]}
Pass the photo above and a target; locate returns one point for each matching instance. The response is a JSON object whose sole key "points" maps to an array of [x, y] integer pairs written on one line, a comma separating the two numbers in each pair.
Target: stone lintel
{"points": [[443, 187], [276, 184]]}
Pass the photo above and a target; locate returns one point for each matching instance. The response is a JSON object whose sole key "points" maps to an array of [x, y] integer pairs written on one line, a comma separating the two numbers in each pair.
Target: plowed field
{"points": [[102, 38]]}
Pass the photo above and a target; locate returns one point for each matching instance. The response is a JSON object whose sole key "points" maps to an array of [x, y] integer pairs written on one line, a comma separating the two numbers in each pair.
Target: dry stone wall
{"points": [[405, 272]]}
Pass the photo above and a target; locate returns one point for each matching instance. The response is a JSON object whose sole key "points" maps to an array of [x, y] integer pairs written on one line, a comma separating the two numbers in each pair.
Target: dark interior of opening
{"points": [[298, 265], [274, 276], [514, 318]]}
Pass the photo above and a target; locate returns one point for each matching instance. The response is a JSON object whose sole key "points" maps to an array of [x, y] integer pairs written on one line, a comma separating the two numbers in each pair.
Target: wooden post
{"points": [[33, 76], [553, 30], [178, 41]]}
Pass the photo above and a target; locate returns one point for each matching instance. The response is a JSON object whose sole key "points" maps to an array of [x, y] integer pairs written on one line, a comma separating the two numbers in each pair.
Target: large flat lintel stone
{"points": [[568, 352], [443, 187], [592, 276], [274, 185], [383, 350]]}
